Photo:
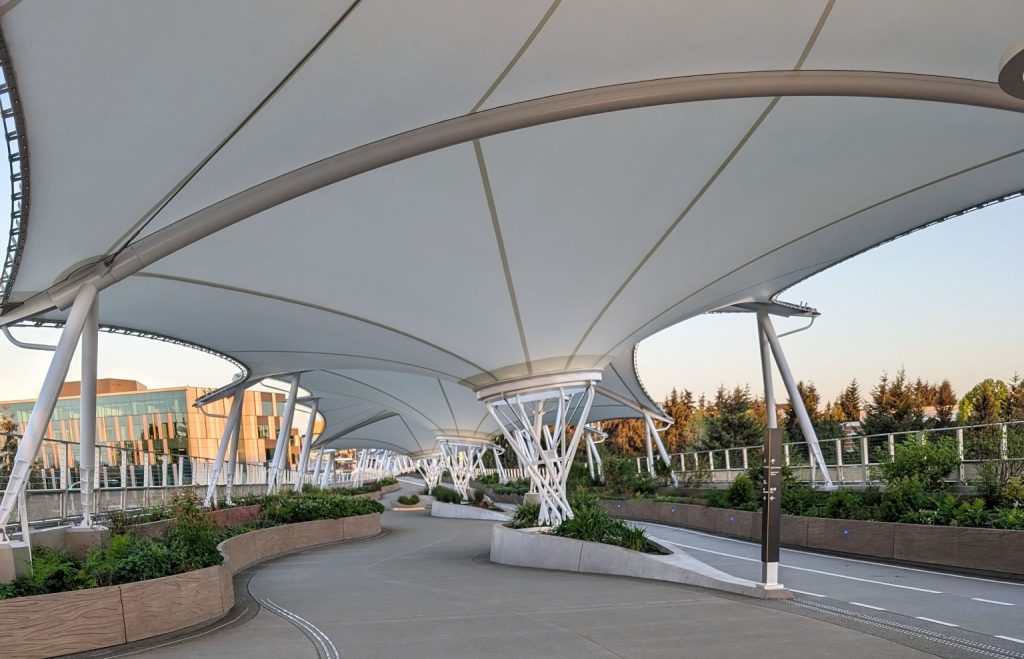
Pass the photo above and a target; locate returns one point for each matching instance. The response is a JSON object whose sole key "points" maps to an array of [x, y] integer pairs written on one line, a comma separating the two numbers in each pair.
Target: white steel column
{"points": [[32, 439], [460, 457], [229, 482], [328, 468], [87, 407], [317, 466], [649, 448], [768, 331], [307, 441], [543, 450], [230, 427], [283, 433]]}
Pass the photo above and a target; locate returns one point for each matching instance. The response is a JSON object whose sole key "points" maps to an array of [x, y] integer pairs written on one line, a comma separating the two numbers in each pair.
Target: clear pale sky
{"points": [[942, 302]]}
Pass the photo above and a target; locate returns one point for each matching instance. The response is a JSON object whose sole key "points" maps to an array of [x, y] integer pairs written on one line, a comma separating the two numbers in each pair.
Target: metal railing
{"points": [[126, 478], [850, 460]]}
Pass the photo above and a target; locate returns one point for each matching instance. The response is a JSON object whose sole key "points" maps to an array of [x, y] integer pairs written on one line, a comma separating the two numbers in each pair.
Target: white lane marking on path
{"points": [[868, 606], [807, 569], [804, 592], [937, 622], [840, 558], [982, 599], [322, 639], [1010, 638]]}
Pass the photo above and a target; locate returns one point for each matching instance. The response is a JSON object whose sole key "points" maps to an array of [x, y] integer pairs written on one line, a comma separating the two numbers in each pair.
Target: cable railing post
{"points": [[745, 459], [960, 454], [1003, 452], [839, 459], [892, 446]]}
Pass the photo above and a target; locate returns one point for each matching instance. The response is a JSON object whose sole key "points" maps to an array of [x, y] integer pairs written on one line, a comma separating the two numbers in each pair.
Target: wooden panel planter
{"points": [[989, 551], [83, 620]]}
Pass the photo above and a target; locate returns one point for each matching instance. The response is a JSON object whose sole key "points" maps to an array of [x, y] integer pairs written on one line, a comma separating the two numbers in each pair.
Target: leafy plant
{"points": [[902, 497], [844, 504], [741, 494], [526, 516], [408, 500], [931, 462], [447, 495]]}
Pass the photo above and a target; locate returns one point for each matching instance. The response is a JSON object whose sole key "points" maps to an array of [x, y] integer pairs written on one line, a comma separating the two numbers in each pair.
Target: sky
{"points": [[944, 302]]}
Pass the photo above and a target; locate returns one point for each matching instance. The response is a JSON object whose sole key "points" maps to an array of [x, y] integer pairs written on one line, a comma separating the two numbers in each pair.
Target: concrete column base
{"points": [[81, 539], [531, 497], [15, 560]]}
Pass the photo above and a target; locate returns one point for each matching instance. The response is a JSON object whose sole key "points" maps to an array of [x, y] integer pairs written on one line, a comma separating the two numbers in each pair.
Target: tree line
{"points": [[736, 417]]}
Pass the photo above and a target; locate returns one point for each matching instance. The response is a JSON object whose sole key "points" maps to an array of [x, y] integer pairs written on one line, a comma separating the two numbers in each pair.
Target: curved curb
{"points": [[533, 548]]}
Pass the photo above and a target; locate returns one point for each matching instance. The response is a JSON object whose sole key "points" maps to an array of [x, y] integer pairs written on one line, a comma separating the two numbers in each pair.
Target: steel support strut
{"points": [[281, 448], [28, 447], [430, 468], [806, 427], [307, 442], [461, 458], [227, 439]]}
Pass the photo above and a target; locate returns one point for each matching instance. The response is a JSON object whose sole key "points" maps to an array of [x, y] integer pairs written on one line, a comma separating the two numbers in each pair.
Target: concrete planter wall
{"points": [[83, 620], [532, 548], [989, 551], [461, 511]]}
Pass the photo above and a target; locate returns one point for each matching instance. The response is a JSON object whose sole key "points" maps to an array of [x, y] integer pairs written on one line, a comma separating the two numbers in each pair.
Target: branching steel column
{"points": [[230, 425], [30, 442], [283, 433], [87, 413], [307, 441]]}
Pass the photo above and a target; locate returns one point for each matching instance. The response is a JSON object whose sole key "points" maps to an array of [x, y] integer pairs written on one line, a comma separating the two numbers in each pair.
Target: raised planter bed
{"points": [[992, 552], [533, 548], [466, 511], [84, 620]]}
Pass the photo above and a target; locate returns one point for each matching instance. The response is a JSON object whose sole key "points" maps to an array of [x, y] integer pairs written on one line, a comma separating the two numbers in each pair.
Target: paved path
{"points": [[426, 589], [937, 600]]}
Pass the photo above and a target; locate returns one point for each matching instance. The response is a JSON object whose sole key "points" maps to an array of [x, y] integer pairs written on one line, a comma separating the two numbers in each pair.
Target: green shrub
{"points": [[716, 499], [517, 487], [52, 571], [644, 484], [802, 499], [619, 474], [387, 481], [447, 495], [1013, 492], [408, 500], [592, 523], [1008, 518], [129, 558], [193, 536], [526, 516], [291, 507], [930, 462], [844, 504], [488, 479], [903, 497], [741, 494], [477, 496]]}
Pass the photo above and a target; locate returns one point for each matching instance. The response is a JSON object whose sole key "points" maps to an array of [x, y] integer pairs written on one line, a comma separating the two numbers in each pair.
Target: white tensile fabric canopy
{"points": [[407, 413], [332, 186]]}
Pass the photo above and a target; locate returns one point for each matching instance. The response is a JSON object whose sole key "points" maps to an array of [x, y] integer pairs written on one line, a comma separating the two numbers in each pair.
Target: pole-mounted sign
{"points": [[771, 509]]}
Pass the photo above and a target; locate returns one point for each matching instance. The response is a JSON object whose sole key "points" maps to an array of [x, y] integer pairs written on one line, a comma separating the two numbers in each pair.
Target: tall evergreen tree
{"points": [[893, 407], [850, 401], [984, 403], [733, 423], [826, 426], [1014, 408], [945, 405]]}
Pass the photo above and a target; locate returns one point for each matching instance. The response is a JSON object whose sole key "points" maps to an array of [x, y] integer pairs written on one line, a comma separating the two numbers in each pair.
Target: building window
{"points": [[263, 431]]}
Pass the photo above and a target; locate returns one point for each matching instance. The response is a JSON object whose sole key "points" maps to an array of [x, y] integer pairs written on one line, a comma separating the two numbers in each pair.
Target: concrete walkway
{"points": [[426, 589]]}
